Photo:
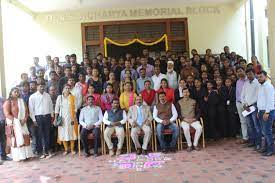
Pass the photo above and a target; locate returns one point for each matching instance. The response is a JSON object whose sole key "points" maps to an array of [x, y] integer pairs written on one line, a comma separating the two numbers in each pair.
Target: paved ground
{"points": [[221, 162]]}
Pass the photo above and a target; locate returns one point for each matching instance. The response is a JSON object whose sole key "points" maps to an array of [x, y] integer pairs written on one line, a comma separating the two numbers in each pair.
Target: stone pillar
{"points": [[271, 36], [2, 66]]}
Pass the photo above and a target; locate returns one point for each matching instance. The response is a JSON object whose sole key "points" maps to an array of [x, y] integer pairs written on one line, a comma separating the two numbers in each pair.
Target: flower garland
{"points": [[106, 40]]}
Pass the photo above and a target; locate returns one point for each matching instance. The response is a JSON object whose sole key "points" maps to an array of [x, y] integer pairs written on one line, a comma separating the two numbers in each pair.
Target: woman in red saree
{"points": [[169, 91], [97, 97], [107, 98], [148, 94]]}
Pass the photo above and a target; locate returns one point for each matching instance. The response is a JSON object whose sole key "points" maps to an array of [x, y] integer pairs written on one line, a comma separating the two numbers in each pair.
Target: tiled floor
{"points": [[221, 162]]}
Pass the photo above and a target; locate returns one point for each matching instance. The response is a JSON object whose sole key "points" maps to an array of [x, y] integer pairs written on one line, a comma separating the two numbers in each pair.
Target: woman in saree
{"points": [[128, 97], [107, 98], [16, 114]]}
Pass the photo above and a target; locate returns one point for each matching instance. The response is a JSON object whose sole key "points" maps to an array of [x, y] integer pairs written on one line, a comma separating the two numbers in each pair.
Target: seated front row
{"points": [[140, 118]]}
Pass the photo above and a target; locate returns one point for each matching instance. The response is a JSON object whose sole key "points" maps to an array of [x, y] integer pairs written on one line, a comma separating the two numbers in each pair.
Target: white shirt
{"points": [[40, 104], [89, 116], [107, 122], [172, 79], [265, 100], [157, 79], [47, 74], [76, 91], [249, 93], [173, 118], [180, 91]]}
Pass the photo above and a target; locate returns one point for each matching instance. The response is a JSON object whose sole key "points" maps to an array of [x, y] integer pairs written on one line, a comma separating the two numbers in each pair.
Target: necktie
{"points": [[139, 117]]}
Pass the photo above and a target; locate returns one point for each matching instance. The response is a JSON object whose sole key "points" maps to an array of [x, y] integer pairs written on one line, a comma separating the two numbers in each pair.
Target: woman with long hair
{"points": [[107, 98], [97, 96], [66, 108], [169, 91], [221, 108], [128, 78], [16, 113], [96, 81], [114, 82], [82, 84], [212, 101], [128, 97]]}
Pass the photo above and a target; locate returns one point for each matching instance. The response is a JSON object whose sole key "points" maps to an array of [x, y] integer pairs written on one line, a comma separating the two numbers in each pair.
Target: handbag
{"points": [[59, 120]]}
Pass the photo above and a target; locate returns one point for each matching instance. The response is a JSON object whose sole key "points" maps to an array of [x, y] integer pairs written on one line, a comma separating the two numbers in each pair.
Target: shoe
{"points": [[144, 152], [87, 154], [173, 150], [111, 153], [251, 145], [189, 149], [49, 156], [42, 156], [257, 148], [1, 162], [197, 148], [96, 155], [138, 151], [65, 153], [248, 145], [73, 153], [242, 141], [164, 151], [6, 158], [118, 152], [267, 154], [262, 150]]}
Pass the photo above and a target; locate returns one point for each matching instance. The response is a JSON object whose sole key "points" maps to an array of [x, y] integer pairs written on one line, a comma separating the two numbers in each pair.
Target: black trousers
{"points": [[44, 126], [84, 138], [233, 122], [2, 138], [222, 120], [212, 130], [53, 138]]}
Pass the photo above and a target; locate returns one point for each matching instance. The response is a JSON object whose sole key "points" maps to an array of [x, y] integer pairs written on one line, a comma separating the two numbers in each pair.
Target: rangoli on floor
{"points": [[140, 162]]}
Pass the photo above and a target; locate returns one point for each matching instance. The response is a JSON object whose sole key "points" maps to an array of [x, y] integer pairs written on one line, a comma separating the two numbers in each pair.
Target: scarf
{"points": [[21, 109], [131, 99], [19, 130], [73, 113]]}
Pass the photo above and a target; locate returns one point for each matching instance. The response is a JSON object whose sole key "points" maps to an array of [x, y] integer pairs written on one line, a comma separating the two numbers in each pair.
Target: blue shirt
{"points": [[139, 116], [134, 74]]}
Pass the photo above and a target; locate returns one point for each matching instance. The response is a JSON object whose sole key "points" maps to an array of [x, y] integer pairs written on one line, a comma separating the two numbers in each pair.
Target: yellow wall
{"points": [[212, 30]]}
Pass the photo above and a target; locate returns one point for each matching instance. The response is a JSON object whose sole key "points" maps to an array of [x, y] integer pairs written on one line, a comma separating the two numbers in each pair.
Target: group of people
{"points": [[49, 103]]}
